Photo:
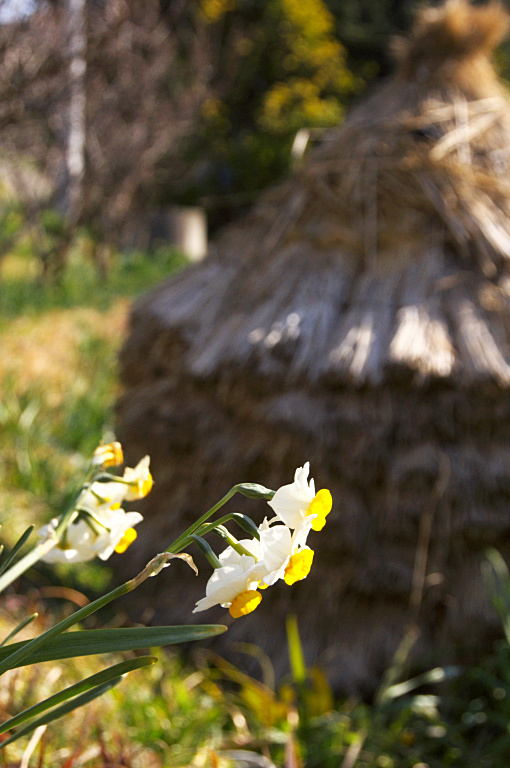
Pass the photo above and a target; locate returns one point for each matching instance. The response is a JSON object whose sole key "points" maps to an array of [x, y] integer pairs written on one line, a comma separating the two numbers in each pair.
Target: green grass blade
{"points": [[498, 581], [64, 709], [431, 677], [94, 641], [296, 656], [16, 548], [17, 629], [397, 666], [100, 678]]}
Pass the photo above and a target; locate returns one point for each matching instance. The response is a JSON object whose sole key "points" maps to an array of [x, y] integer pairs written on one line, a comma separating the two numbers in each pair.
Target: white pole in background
{"points": [[77, 107]]}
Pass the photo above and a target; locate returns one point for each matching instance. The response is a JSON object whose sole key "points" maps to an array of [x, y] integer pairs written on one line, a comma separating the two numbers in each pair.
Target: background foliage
{"points": [[221, 87]]}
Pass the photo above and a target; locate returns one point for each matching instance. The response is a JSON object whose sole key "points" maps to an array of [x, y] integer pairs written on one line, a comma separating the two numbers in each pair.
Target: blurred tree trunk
{"points": [[75, 155]]}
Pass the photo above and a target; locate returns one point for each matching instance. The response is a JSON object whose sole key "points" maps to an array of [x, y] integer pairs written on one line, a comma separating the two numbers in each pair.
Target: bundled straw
{"points": [[359, 315]]}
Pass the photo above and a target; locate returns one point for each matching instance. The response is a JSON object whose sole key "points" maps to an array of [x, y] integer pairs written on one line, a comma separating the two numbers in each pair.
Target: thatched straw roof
{"points": [[359, 317]]}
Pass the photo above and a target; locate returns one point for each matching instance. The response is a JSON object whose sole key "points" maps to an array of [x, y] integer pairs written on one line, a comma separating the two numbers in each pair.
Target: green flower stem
{"points": [[92, 521], [232, 541], [207, 551], [39, 551], [45, 546], [251, 490], [106, 477], [180, 542], [202, 531], [151, 569]]}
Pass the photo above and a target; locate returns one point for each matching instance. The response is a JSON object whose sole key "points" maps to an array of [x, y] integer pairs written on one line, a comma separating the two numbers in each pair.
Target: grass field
{"points": [[58, 352]]}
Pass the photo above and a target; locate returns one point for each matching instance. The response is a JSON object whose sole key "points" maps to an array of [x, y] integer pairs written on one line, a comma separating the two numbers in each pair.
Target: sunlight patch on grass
{"points": [[58, 373], [46, 351]]}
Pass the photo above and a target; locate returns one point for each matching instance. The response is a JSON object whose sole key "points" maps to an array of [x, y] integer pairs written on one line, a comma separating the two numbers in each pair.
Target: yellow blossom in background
{"points": [[89, 537], [110, 455], [101, 526], [316, 78], [213, 10]]}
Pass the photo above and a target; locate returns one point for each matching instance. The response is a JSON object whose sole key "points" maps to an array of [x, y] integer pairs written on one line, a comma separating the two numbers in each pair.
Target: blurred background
{"points": [[113, 111], [131, 132]]}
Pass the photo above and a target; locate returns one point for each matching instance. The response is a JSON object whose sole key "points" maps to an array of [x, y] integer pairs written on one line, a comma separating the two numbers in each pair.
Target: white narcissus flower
{"points": [[139, 480], [285, 554], [102, 496], [279, 553], [135, 484], [297, 502], [111, 530], [234, 587]]}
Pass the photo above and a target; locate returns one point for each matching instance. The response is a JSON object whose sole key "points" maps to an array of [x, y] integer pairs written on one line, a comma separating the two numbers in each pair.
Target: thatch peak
{"points": [[456, 34]]}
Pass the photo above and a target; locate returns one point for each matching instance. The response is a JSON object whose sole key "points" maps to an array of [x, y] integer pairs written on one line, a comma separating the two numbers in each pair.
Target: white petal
{"points": [[291, 502], [289, 509], [276, 546], [132, 518], [300, 534], [108, 493], [227, 582], [229, 556], [301, 475], [204, 604]]}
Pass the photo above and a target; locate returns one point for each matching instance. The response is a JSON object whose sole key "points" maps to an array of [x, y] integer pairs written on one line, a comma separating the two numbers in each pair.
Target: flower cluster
{"points": [[279, 552], [100, 525]]}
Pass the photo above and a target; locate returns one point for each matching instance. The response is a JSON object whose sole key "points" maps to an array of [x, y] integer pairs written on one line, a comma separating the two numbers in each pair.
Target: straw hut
{"points": [[358, 317]]}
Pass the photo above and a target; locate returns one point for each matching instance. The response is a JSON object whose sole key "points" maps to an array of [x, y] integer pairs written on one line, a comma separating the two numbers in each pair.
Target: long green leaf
{"points": [[64, 709], [94, 641], [16, 655], [16, 548], [19, 651], [117, 670]]}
